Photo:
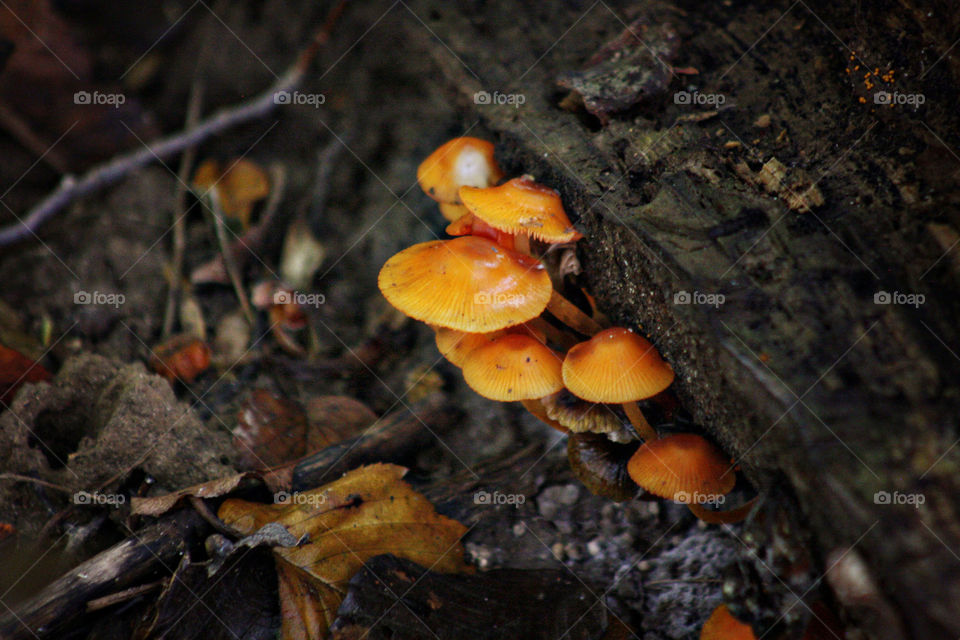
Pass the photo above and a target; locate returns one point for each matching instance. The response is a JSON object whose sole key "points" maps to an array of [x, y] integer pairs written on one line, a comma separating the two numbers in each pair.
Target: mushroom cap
{"points": [[514, 367], [457, 163], [616, 365], [468, 283], [456, 346], [580, 416], [721, 625], [522, 206], [679, 466]]}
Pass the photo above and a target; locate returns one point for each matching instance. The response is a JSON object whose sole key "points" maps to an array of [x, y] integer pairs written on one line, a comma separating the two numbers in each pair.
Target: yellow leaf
{"points": [[368, 512], [239, 184]]}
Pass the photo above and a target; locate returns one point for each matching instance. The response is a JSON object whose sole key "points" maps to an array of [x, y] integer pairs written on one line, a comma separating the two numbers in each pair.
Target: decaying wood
{"points": [[799, 373]]}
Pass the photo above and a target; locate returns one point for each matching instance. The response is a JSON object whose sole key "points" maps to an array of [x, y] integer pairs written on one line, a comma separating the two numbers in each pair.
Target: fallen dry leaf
{"points": [[183, 356], [15, 370], [368, 512], [239, 184], [158, 505]]}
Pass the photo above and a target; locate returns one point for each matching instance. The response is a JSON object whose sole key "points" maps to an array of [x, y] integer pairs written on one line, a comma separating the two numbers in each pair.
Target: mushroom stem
{"points": [[537, 411], [571, 315], [553, 334], [638, 420], [521, 243], [723, 517]]}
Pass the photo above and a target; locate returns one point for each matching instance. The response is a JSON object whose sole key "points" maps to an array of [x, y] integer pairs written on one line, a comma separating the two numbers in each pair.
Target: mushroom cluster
{"points": [[497, 315]]}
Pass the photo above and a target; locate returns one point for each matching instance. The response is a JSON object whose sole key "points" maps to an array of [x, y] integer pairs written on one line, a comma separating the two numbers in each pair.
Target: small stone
{"points": [[573, 550], [557, 550], [643, 565], [519, 529], [594, 547], [569, 495], [763, 121]]}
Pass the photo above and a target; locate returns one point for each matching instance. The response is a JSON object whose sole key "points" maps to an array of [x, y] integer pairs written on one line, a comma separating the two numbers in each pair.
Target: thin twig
{"points": [[229, 261], [179, 212], [43, 483], [123, 596], [72, 187], [201, 508]]}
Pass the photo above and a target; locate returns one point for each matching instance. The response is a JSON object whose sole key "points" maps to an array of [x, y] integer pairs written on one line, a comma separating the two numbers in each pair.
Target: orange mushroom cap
{"points": [[682, 467], [616, 365], [452, 211], [456, 346], [514, 367], [522, 206], [468, 283], [457, 163], [721, 625]]}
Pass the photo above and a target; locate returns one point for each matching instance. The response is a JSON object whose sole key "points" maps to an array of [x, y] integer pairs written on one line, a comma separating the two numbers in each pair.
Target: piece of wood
{"points": [[796, 370], [51, 611]]}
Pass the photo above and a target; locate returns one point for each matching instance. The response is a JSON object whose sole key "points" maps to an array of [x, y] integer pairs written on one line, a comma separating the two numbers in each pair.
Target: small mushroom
{"points": [[581, 416], [456, 346], [468, 283], [686, 468], [721, 625], [456, 163], [515, 367], [617, 365]]}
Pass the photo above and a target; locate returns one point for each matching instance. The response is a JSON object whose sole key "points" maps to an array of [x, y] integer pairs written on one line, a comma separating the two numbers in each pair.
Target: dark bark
{"points": [[800, 374]]}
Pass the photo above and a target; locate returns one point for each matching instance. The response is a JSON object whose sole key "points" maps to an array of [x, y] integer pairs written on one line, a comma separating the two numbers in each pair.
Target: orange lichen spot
{"points": [[468, 283], [721, 625], [457, 163], [456, 346], [519, 206], [682, 467], [616, 365], [514, 367]]}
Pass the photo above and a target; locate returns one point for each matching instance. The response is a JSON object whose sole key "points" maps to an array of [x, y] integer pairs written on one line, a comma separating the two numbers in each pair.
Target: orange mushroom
{"points": [[522, 207], [456, 163], [686, 468], [456, 346], [514, 367], [468, 283], [471, 225], [721, 625], [617, 365]]}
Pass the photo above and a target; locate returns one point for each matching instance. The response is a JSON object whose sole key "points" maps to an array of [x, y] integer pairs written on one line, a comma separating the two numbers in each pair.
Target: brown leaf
{"points": [[336, 418], [239, 184], [368, 512], [158, 505], [15, 370], [183, 356]]}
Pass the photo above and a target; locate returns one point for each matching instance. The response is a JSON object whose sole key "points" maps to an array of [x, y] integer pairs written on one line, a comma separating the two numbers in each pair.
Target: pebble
{"points": [[569, 495], [594, 547], [519, 529]]}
